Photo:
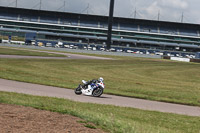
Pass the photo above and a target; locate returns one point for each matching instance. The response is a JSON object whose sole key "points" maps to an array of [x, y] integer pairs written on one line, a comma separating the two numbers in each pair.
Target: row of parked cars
{"points": [[126, 50], [95, 47], [162, 53]]}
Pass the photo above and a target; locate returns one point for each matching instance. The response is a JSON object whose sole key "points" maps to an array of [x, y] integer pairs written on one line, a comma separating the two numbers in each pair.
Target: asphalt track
{"points": [[41, 90], [68, 56]]}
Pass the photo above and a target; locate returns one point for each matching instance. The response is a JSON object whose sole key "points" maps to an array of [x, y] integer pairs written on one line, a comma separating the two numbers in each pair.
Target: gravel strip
{"points": [[19, 119]]}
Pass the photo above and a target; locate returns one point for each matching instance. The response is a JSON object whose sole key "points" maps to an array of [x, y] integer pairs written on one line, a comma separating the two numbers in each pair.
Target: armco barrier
{"points": [[181, 59]]}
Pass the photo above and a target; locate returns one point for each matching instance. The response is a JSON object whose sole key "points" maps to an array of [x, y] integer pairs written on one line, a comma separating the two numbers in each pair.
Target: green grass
{"points": [[90, 126], [9, 51], [110, 118], [153, 79]]}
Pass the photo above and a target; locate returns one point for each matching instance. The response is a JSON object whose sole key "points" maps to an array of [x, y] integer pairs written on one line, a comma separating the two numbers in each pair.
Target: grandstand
{"points": [[51, 27]]}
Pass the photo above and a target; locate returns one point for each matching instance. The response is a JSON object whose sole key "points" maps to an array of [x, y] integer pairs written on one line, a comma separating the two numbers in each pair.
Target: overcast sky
{"points": [[170, 10]]}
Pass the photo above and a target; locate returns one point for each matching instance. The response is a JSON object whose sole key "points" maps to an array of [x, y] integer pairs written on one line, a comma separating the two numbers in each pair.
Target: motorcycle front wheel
{"points": [[97, 92]]}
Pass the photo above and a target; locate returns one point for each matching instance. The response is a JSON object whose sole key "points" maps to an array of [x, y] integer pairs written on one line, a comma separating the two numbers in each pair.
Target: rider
{"points": [[94, 81]]}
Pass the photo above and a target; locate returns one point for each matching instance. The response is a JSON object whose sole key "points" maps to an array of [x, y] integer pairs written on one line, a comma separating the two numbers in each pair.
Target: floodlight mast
{"points": [[110, 22]]}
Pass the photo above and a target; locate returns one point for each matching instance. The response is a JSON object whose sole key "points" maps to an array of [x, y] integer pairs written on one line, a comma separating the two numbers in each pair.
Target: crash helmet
{"points": [[101, 79]]}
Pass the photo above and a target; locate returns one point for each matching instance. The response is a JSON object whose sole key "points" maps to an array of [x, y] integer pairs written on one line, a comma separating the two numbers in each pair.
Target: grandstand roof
{"points": [[58, 14]]}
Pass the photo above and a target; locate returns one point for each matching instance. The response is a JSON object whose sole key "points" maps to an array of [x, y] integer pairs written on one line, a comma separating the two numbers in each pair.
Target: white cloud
{"points": [[169, 5], [180, 4], [170, 10], [153, 8]]}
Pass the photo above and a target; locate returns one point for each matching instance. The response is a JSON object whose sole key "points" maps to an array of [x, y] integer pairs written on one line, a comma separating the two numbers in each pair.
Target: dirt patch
{"points": [[25, 119]]}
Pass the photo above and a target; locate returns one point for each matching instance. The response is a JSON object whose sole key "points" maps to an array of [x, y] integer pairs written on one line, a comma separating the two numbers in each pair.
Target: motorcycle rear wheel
{"points": [[78, 90]]}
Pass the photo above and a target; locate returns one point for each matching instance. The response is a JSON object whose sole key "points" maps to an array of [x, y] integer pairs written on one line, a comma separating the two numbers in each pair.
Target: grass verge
{"points": [[10, 51], [151, 79], [110, 118]]}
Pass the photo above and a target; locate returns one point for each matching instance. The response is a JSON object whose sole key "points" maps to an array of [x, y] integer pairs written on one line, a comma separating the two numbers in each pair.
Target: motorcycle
{"points": [[93, 88]]}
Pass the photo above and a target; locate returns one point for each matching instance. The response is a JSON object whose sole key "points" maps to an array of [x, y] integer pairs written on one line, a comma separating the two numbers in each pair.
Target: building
{"points": [[51, 26]]}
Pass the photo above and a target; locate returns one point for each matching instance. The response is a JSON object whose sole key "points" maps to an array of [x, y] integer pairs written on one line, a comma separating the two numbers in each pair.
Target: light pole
{"points": [[40, 4], [110, 21]]}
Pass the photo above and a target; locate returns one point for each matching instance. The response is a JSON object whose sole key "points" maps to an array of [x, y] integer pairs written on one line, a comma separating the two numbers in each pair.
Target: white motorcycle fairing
{"points": [[88, 91]]}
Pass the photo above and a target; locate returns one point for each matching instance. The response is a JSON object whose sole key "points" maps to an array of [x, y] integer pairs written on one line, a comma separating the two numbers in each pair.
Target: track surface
{"points": [[41, 90], [68, 56]]}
